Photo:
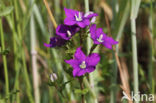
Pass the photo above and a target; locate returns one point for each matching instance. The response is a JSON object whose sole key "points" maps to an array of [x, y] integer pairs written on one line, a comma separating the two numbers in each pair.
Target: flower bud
{"points": [[53, 77]]}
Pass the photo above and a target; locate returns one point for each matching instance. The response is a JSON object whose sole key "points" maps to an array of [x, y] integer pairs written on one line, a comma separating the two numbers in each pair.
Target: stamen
{"points": [[69, 33], [78, 18], [100, 39], [79, 15], [83, 65]]}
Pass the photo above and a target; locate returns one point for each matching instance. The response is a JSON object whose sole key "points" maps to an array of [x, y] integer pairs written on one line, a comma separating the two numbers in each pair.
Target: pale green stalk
{"points": [[89, 43], [4, 60], [34, 59], [134, 12]]}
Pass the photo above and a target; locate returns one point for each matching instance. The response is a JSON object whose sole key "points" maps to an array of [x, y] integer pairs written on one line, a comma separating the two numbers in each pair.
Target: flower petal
{"points": [[93, 20], [79, 55], [72, 62], [70, 12], [111, 41], [86, 21], [61, 31], [93, 31], [81, 72], [75, 71], [81, 24], [93, 59], [99, 31], [69, 21], [90, 14], [47, 45], [90, 69], [107, 45]]}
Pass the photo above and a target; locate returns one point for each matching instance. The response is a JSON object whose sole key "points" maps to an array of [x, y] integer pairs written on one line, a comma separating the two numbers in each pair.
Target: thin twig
{"points": [[50, 14]]}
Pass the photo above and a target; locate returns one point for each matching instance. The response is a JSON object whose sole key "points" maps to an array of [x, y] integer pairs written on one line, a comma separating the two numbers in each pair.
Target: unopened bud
{"points": [[53, 77]]}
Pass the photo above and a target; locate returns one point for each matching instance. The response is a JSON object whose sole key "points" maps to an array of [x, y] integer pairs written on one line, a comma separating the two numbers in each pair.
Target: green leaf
{"points": [[6, 11]]}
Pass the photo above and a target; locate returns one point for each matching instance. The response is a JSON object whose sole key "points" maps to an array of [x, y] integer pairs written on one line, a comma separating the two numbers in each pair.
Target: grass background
{"points": [[25, 64]]}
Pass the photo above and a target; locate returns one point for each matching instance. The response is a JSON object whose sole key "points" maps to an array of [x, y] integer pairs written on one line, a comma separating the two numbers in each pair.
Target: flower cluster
{"points": [[74, 21]]}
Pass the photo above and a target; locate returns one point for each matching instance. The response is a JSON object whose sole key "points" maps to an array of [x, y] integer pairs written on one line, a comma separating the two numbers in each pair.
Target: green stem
{"points": [[113, 92], [88, 38], [82, 87], [4, 60], [17, 69], [92, 48], [89, 51], [34, 59], [134, 56], [135, 4], [26, 77]]}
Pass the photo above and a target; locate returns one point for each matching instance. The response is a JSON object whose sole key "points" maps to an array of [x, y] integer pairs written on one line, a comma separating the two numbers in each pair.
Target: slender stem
{"points": [[92, 48], [16, 66], [88, 39], [4, 60], [134, 56], [89, 51], [34, 60], [135, 4], [82, 87], [19, 33], [50, 14]]}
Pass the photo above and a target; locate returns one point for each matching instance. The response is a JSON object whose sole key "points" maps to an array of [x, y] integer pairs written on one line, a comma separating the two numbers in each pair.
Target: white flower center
{"points": [[83, 65], [100, 39], [78, 17], [69, 33]]}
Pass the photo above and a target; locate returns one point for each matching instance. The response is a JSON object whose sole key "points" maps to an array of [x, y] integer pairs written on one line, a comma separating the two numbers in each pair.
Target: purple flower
{"points": [[55, 41], [66, 32], [76, 17], [99, 37], [83, 64]]}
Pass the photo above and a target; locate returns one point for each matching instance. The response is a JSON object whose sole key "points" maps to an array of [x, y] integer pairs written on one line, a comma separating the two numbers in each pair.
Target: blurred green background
{"points": [[25, 64]]}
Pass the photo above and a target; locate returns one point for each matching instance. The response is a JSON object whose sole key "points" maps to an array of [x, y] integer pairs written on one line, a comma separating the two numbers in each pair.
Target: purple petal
{"points": [[75, 72], [99, 31], [81, 24], [55, 41], [86, 21], [97, 42], [79, 55], [111, 41], [93, 59], [107, 45], [93, 31], [72, 62], [62, 30], [69, 21], [90, 14], [90, 69], [47, 45], [70, 12], [81, 72]]}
